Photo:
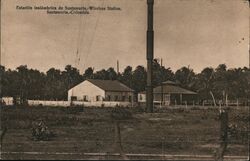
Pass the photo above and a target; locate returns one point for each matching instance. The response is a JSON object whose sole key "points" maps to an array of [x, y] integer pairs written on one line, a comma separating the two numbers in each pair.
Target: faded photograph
{"points": [[125, 80]]}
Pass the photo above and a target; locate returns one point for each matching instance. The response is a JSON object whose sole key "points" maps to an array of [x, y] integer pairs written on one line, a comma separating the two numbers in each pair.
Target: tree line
{"points": [[29, 83]]}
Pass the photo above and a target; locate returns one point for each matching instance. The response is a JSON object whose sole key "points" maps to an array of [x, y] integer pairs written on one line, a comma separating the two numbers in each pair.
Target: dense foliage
{"points": [[53, 85]]}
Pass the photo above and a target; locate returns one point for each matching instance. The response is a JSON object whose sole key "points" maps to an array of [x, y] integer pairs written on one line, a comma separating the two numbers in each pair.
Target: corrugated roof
{"points": [[172, 89], [110, 85]]}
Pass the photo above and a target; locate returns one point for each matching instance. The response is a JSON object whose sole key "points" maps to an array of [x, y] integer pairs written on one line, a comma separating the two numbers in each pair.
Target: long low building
{"points": [[93, 90], [169, 93]]}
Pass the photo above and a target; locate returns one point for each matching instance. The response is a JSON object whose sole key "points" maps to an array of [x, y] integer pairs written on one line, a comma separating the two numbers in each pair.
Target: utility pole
{"points": [[117, 66], [161, 87], [0, 34], [249, 55], [150, 56]]}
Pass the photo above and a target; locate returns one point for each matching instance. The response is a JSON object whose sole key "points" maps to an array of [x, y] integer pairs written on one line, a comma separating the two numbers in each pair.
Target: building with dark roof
{"points": [[93, 90], [110, 85], [170, 93]]}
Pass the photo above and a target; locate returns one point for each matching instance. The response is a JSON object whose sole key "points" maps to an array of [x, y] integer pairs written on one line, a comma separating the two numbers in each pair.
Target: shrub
{"points": [[40, 132]]}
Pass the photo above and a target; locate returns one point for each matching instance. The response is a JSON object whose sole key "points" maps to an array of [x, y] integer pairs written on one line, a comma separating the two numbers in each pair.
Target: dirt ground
{"points": [[193, 131]]}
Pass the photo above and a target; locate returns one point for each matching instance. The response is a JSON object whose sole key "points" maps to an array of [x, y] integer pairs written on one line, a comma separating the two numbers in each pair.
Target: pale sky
{"points": [[199, 33]]}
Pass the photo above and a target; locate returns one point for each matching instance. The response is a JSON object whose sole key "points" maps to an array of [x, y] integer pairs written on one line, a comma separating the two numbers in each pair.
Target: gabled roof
{"points": [[171, 89], [110, 85]]}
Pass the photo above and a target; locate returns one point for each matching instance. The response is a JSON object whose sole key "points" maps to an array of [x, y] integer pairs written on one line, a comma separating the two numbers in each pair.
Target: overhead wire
{"points": [[92, 37], [81, 34]]}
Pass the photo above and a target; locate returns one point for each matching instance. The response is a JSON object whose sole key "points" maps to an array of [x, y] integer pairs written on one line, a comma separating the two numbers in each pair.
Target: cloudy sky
{"points": [[199, 33]]}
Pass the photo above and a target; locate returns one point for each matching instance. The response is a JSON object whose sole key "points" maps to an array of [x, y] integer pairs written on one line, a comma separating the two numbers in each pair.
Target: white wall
{"points": [[86, 88], [81, 103], [48, 103], [103, 104], [7, 100], [166, 98]]}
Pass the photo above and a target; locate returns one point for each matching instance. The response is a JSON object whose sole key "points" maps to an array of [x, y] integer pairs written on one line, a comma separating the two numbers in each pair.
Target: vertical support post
{"points": [[0, 40], [223, 135], [150, 56], [161, 87], [181, 99], [220, 108], [226, 100], [117, 66], [132, 100], [118, 140], [224, 125]]}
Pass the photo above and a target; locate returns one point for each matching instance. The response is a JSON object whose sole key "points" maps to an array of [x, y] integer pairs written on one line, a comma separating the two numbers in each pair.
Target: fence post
{"points": [[223, 135], [220, 107]]}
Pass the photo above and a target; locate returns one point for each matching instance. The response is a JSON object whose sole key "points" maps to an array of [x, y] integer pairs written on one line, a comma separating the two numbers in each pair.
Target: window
{"points": [[108, 98], [98, 98], [123, 98], [73, 98], [85, 98], [140, 97], [116, 98], [167, 97], [129, 98]]}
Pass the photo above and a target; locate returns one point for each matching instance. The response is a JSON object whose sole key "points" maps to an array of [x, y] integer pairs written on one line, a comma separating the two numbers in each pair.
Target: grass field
{"points": [[91, 130]]}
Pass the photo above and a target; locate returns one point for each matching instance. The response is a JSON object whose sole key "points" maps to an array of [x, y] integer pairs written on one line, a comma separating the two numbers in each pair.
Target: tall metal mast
{"points": [[150, 56]]}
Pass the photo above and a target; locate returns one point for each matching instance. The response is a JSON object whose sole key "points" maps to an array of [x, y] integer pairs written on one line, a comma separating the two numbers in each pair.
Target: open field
{"points": [[192, 131]]}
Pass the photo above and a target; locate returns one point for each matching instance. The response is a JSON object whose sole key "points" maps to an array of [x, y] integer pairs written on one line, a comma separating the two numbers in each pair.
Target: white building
{"points": [[101, 92], [7, 101]]}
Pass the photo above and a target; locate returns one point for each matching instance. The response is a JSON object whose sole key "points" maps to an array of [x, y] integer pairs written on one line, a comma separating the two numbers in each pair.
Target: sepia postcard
{"points": [[124, 80]]}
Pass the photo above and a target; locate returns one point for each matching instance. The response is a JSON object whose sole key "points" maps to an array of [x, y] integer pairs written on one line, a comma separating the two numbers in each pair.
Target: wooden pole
{"points": [[161, 87], [118, 140], [223, 135], [150, 56], [226, 99], [117, 66], [181, 99], [1, 36], [249, 55]]}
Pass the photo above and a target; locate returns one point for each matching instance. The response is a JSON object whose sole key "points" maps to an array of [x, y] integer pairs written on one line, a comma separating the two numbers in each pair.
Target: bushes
{"points": [[40, 132]]}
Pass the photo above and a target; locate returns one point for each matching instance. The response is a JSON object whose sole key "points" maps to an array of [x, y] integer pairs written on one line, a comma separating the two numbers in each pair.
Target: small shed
{"points": [[170, 93]]}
